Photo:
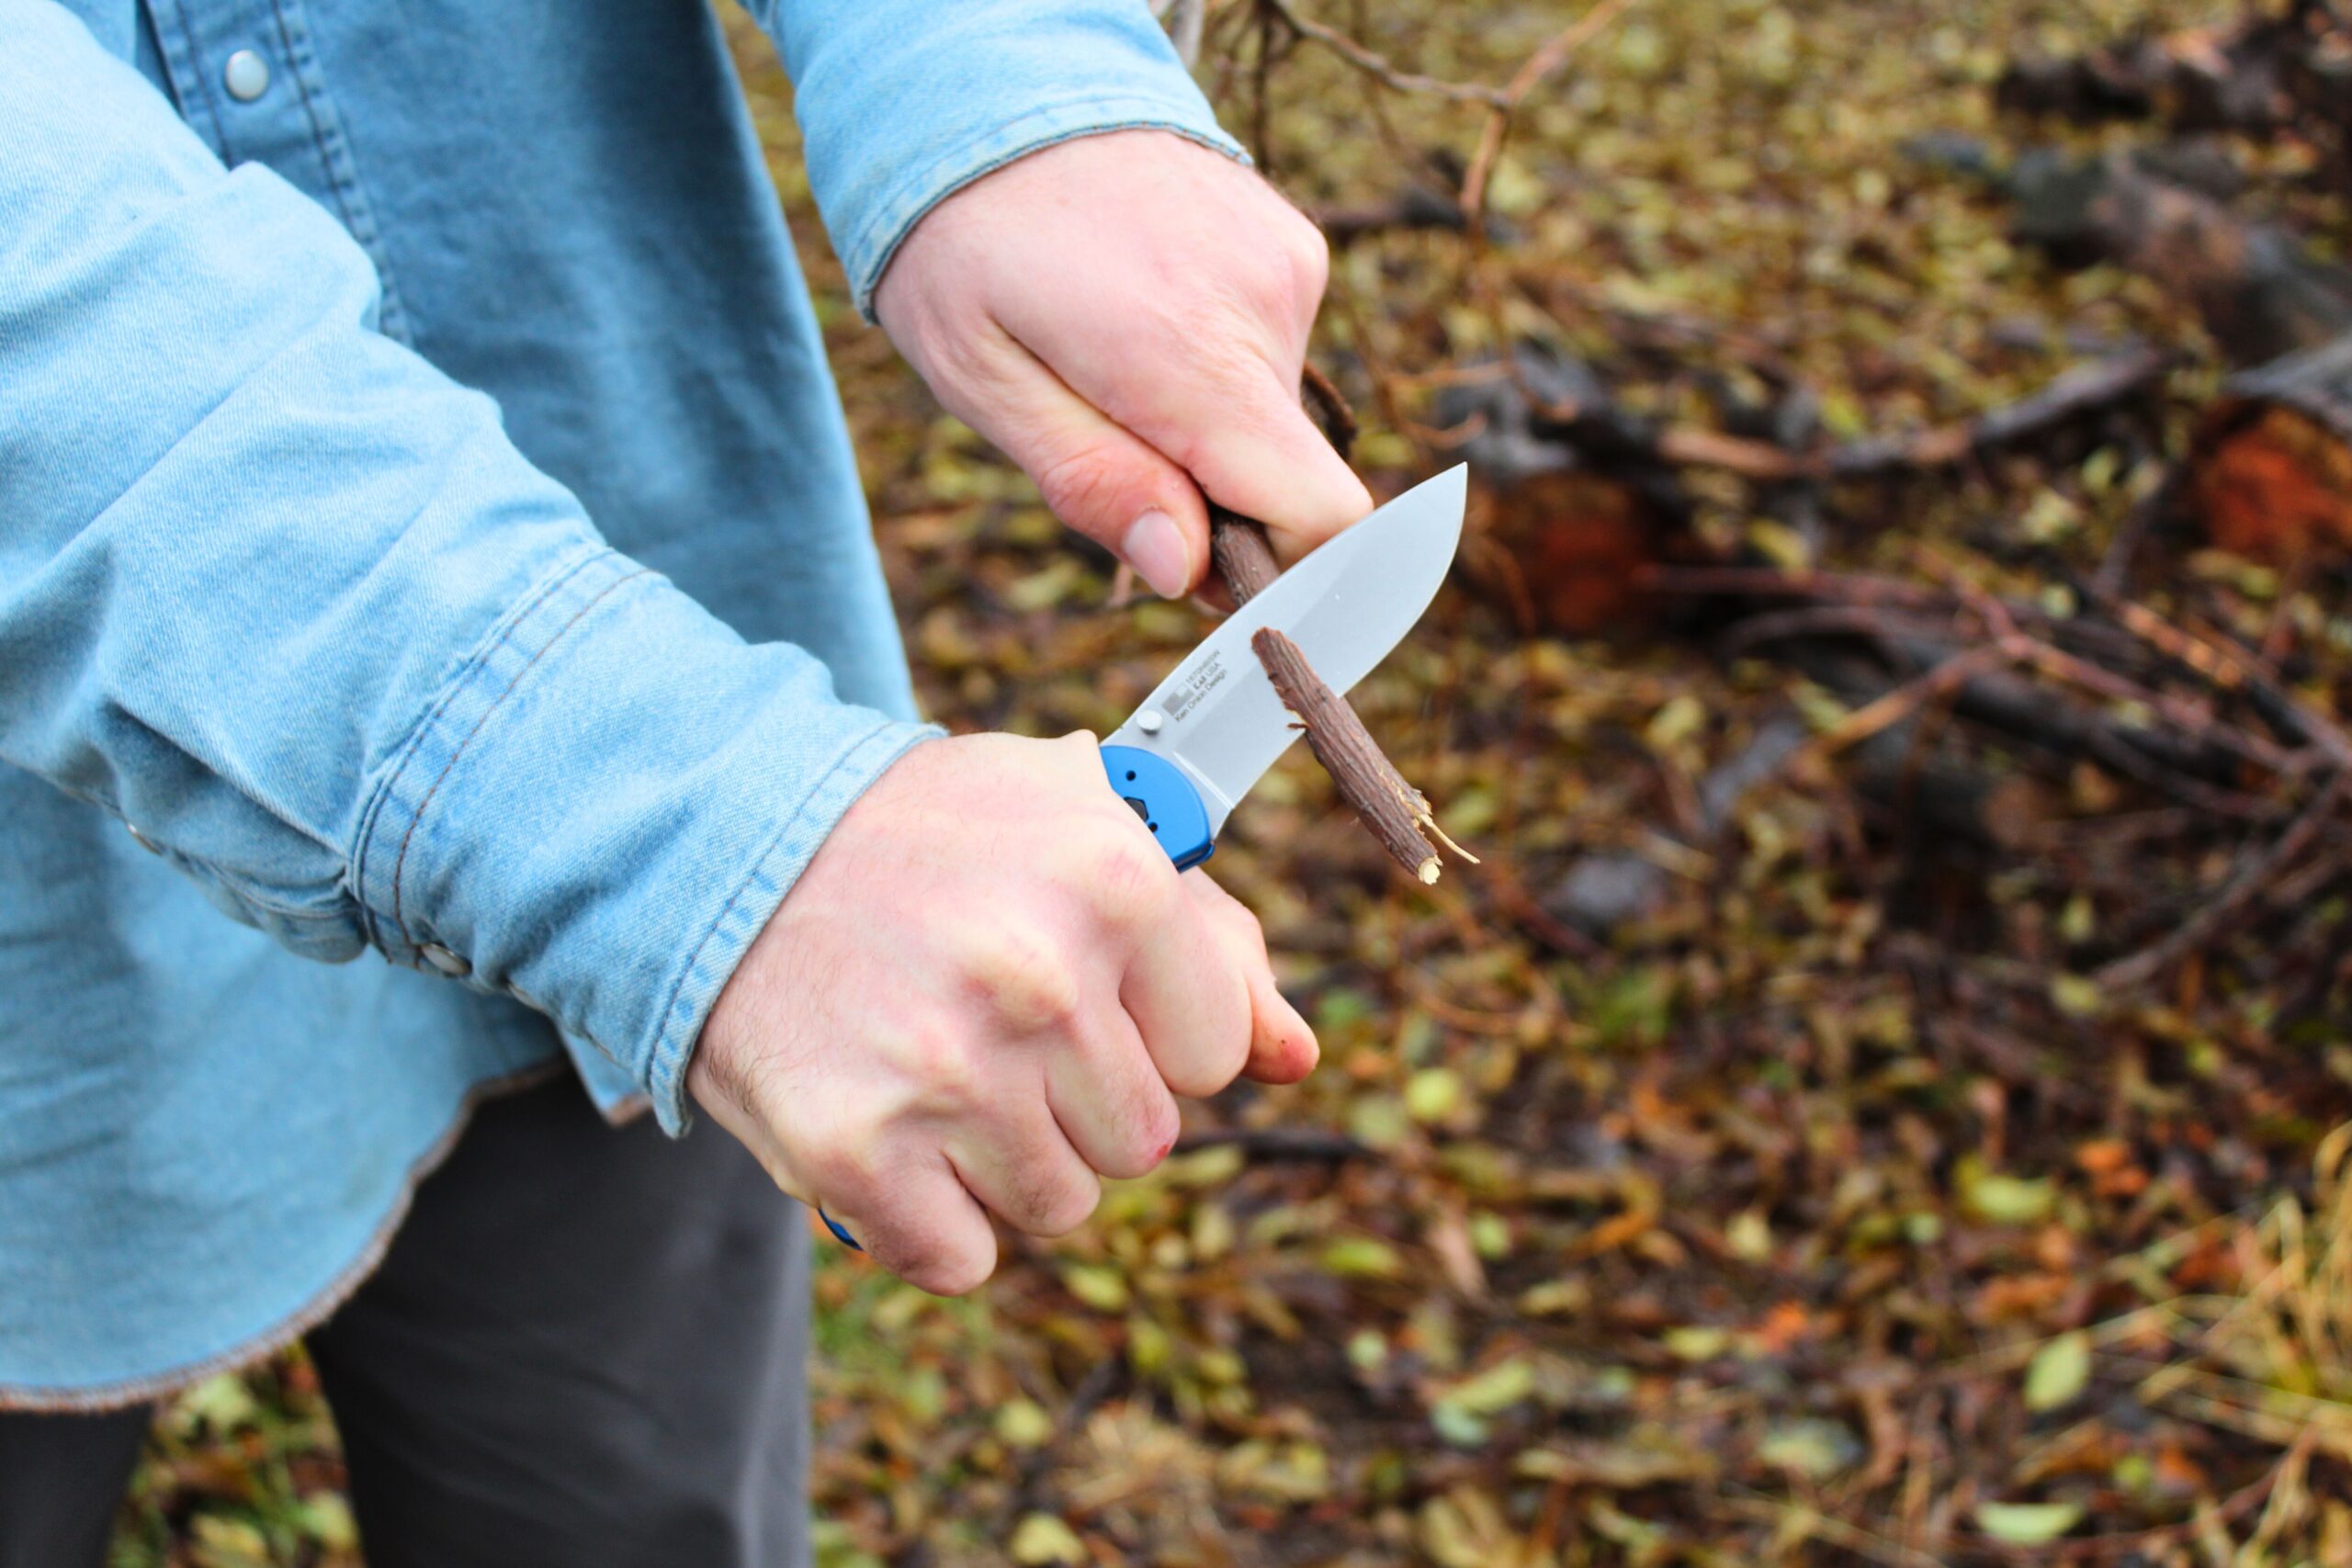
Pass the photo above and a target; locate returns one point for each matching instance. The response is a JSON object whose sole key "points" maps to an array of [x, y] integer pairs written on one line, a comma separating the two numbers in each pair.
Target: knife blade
{"points": [[1210, 730]]}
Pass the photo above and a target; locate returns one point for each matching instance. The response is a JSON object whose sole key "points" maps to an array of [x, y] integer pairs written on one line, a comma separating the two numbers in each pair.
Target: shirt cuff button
{"points": [[443, 960]]}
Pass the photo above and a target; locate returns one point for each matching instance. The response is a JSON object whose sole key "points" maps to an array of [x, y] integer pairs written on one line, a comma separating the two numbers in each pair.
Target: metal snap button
{"points": [[449, 963], [246, 75]]}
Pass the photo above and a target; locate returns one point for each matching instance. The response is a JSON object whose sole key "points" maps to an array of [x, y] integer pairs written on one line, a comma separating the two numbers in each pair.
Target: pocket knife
{"points": [[1212, 728]]}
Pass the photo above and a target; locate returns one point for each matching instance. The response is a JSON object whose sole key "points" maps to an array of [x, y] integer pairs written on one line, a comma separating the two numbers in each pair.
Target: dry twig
{"points": [[2256, 875], [1394, 810]]}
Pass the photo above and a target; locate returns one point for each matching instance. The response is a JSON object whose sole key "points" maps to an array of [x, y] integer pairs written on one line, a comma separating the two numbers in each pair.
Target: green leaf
{"points": [[1211, 1166], [1810, 1447], [326, 1519], [1043, 1539], [1380, 1120], [1495, 1390], [1777, 542], [2078, 995], [1023, 1424], [1044, 590], [1103, 1289], [1697, 1342], [2028, 1524], [1463, 1428], [1432, 1094], [1682, 717], [1281, 1473], [229, 1543], [1341, 1006], [2003, 1200], [1749, 1237], [1362, 1256], [1556, 1297], [220, 1403], [2060, 1371]]}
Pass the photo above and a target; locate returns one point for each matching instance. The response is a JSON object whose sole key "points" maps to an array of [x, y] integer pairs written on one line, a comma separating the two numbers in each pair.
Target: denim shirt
{"points": [[439, 614]]}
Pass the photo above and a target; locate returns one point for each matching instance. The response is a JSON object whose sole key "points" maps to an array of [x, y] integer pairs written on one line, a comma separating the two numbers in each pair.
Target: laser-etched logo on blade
{"points": [[1197, 684]]}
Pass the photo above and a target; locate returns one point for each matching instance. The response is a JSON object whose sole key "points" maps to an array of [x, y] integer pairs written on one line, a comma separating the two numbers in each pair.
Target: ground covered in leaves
{"points": [[1868, 1189]]}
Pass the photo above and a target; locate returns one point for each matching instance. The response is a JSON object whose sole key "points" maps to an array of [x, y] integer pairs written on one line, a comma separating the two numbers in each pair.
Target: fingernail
{"points": [[1155, 546]]}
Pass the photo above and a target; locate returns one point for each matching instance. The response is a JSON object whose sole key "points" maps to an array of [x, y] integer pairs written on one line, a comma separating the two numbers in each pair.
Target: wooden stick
{"points": [[1394, 810], [1245, 561]]}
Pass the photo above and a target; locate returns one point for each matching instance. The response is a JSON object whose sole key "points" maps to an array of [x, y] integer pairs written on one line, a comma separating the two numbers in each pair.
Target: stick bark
{"points": [[1392, 810]]}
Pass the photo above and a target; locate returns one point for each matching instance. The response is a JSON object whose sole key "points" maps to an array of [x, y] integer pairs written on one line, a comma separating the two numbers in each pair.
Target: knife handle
{"points": [[1152, 787], [1156, 791]]}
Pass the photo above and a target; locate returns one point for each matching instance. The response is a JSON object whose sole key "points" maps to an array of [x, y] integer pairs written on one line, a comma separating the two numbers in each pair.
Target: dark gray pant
{"points": [[583, 1351]]}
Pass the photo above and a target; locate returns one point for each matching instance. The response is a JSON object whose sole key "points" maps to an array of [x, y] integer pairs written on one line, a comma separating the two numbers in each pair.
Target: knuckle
{"points": [[1055, 1203], [1023, 983], [1247, 932], [1152, 1123], [841, 1168], [944, 1069], [1280, 284], [1129, 879], [1310, 264], [952, 1272]]}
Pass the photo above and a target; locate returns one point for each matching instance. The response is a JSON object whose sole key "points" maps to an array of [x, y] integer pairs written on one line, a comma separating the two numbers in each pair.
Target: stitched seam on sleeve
{"points": [[400, 862], [497, 639]]}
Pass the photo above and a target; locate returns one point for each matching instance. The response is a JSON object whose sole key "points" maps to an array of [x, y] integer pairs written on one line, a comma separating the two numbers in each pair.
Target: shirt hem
{"points": [[320, 1305]]}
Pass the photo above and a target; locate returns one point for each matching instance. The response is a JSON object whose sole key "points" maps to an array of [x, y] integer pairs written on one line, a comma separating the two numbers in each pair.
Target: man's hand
{"points": [[1126, 315], [982, 992]]}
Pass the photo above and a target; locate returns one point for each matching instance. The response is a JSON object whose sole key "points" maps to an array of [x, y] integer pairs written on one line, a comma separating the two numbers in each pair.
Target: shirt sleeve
{"points": [[287, 600], [904, 102]]}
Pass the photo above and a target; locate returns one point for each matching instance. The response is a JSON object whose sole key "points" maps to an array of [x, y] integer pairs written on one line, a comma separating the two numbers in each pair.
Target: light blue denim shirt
{"points": [[435, 594]]}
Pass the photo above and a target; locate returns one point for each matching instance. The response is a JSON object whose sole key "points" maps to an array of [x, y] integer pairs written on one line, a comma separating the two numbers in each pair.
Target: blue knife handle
{"points": [[1156, 791], [1169, 805]]}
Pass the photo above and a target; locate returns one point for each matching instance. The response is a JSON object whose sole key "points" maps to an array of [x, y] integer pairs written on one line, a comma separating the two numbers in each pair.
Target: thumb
{"points": [[1252, 447], [1098, 478]]}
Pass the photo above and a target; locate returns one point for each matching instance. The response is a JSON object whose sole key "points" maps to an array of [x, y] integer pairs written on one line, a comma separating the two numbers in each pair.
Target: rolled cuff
{"points": [[866, 253], [604, 805]]}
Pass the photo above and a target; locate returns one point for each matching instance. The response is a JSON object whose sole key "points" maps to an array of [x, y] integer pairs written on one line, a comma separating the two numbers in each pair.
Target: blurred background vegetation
{"points": [[1874, 1102]]}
